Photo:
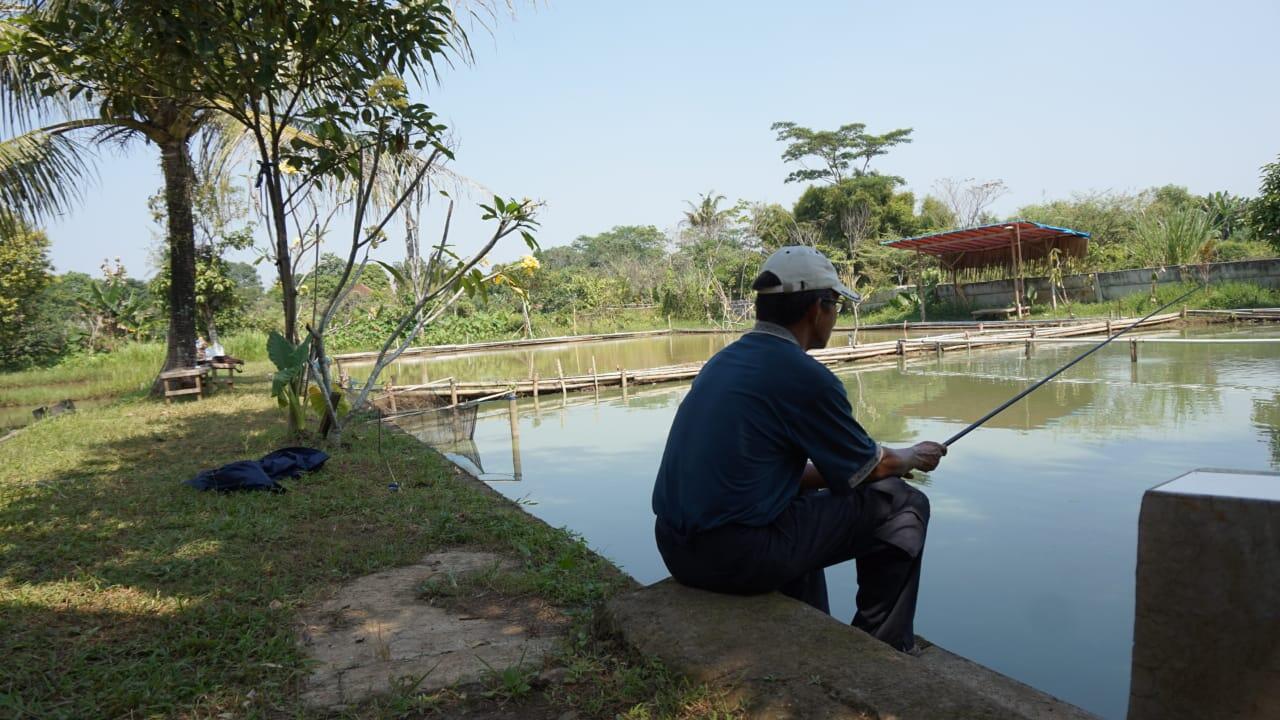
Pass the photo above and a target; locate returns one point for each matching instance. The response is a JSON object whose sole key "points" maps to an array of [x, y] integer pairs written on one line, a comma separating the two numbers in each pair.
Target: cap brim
{"points": [[846, 292]]}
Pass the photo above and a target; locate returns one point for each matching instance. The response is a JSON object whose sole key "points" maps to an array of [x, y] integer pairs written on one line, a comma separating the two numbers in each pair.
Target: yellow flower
{"points": [[530, 263], [287, 169]]}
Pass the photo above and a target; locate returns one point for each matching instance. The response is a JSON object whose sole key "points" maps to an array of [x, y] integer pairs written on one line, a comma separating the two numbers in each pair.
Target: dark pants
{"points": [[880, 524]]}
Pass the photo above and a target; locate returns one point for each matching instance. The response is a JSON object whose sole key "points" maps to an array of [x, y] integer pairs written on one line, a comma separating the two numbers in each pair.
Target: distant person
{"points": [[767, 478]]}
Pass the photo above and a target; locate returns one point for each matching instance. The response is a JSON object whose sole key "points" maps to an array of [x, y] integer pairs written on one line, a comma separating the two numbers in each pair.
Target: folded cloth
{"points": [[261, 474]]}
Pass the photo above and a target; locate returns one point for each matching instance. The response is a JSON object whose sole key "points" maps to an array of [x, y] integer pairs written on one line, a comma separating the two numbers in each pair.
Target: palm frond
{"points": [[41, 174], [25, 101]]}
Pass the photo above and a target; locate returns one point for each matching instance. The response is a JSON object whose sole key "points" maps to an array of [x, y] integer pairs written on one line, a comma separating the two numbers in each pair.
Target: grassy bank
{"points": [[128, 370], [124, 593]]}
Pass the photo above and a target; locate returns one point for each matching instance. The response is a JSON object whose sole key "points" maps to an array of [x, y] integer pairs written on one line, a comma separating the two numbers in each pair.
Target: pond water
{"points": [[1029, 566], [630, 353]]}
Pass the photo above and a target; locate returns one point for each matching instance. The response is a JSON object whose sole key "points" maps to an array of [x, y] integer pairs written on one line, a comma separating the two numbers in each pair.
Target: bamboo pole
{"points": [[595, 377], [560, 369], [453, 391], [391, 393], [1133, 350], [513, 413]]}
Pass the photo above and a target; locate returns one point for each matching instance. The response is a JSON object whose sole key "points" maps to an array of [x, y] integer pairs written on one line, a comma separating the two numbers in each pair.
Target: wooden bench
{"points": [[174, 380]]}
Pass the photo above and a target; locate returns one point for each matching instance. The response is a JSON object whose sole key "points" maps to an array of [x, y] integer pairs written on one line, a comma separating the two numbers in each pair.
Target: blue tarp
{"points": [[261, 474]]}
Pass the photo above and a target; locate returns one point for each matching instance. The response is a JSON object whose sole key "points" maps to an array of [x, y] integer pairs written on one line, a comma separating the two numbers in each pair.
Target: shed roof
{"points": [[989, 245]]}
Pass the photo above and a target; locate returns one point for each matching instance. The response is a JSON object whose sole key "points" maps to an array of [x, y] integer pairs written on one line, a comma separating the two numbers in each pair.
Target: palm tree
{"points": [[706, 214], [58, 104]]}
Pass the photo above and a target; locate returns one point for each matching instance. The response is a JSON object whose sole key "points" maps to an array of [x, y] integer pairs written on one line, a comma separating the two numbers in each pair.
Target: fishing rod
{"points": [[1064, 368]]}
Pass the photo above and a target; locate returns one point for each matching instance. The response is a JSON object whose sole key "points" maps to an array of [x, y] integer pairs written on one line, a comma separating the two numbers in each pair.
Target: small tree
{"points": [[360, 143], [969, 200], [841, 153], [24, 273], [1264, 210]]}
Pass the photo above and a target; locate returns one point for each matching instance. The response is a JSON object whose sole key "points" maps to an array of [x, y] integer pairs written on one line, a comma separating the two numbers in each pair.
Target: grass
{"points": [[124, 593], [128, 370]]}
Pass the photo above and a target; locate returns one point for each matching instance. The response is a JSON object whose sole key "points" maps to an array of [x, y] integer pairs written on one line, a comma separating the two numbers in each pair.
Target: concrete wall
{"points": [[1206, 632], [1099, 287]]}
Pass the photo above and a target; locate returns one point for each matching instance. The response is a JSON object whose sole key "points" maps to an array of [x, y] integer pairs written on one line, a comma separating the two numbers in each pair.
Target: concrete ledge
{"points": [[783, 659]]}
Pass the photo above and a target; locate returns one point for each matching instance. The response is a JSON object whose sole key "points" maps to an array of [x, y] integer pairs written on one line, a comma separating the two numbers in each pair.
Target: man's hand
{"points": [[926, 455], [921, 456]]}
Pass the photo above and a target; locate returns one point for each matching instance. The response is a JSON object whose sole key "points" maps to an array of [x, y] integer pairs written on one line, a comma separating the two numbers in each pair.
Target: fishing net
{"points": [[430, 418], [443, 426]]}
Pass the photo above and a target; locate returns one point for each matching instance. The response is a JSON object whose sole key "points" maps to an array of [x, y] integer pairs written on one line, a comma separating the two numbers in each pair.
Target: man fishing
{"points": [[767, 478]]}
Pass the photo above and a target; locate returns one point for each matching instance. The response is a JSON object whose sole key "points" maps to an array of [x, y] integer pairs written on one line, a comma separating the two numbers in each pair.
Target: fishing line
{"points": [[1064, 368]]}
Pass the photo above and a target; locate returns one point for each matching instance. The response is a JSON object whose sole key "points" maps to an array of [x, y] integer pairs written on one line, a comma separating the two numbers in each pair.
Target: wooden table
{"points": [[179, 377], [230, 366]]}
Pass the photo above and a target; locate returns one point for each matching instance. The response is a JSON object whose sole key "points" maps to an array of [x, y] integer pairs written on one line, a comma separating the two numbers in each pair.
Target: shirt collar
{"points": [[765, 327]]}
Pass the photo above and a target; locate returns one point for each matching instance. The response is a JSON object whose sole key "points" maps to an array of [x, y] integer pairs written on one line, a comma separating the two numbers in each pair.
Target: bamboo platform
{"points": [[460, 391], [1242, 314]]}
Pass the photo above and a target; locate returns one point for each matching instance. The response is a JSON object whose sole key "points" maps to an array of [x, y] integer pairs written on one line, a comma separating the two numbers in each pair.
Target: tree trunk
{"points": [[210, 326], [284, 266], [175, 163]]}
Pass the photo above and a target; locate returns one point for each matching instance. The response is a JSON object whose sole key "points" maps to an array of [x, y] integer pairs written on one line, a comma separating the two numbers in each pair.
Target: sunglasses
{"points": [[838, 302]]}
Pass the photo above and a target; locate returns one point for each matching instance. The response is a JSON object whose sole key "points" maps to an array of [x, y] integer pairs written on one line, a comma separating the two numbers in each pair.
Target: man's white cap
{"points": [[803, 268]]}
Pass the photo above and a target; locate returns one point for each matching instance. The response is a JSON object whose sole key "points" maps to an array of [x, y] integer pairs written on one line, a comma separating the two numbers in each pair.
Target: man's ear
{"points": [[811, 315]]}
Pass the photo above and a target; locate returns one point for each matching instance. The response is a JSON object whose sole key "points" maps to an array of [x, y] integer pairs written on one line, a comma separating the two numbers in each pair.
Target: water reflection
{"points": [[1266, 418], [1029, 567]]}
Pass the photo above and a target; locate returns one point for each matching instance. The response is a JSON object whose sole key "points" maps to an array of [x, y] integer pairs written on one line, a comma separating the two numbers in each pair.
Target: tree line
{"points": [[313, 101]]}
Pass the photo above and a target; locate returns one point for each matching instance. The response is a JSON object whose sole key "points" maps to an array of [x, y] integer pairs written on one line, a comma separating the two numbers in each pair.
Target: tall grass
{"points": [[1180, 237]]}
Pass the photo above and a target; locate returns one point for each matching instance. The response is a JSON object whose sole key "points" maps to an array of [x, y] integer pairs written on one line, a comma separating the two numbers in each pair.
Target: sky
{"points": [[618, 113]]}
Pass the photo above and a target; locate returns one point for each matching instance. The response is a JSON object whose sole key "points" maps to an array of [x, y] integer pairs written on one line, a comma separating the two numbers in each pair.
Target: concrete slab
{"points": [[783, 659], [377, 632], [1206, 637]]}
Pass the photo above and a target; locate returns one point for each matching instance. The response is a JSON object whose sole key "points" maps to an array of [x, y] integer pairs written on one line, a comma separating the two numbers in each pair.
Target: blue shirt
{"points": [[758, 410]]}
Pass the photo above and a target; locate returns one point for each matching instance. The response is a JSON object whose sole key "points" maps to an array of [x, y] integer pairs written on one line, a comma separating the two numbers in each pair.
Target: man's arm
{"points": [[899, 462]]}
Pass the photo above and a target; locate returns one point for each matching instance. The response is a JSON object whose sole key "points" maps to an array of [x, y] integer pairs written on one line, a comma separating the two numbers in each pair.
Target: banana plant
{"points": [[291, 363]]}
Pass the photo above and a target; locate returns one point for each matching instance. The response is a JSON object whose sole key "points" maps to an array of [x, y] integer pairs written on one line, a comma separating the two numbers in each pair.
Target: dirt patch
{"points": [[379, 633]]}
